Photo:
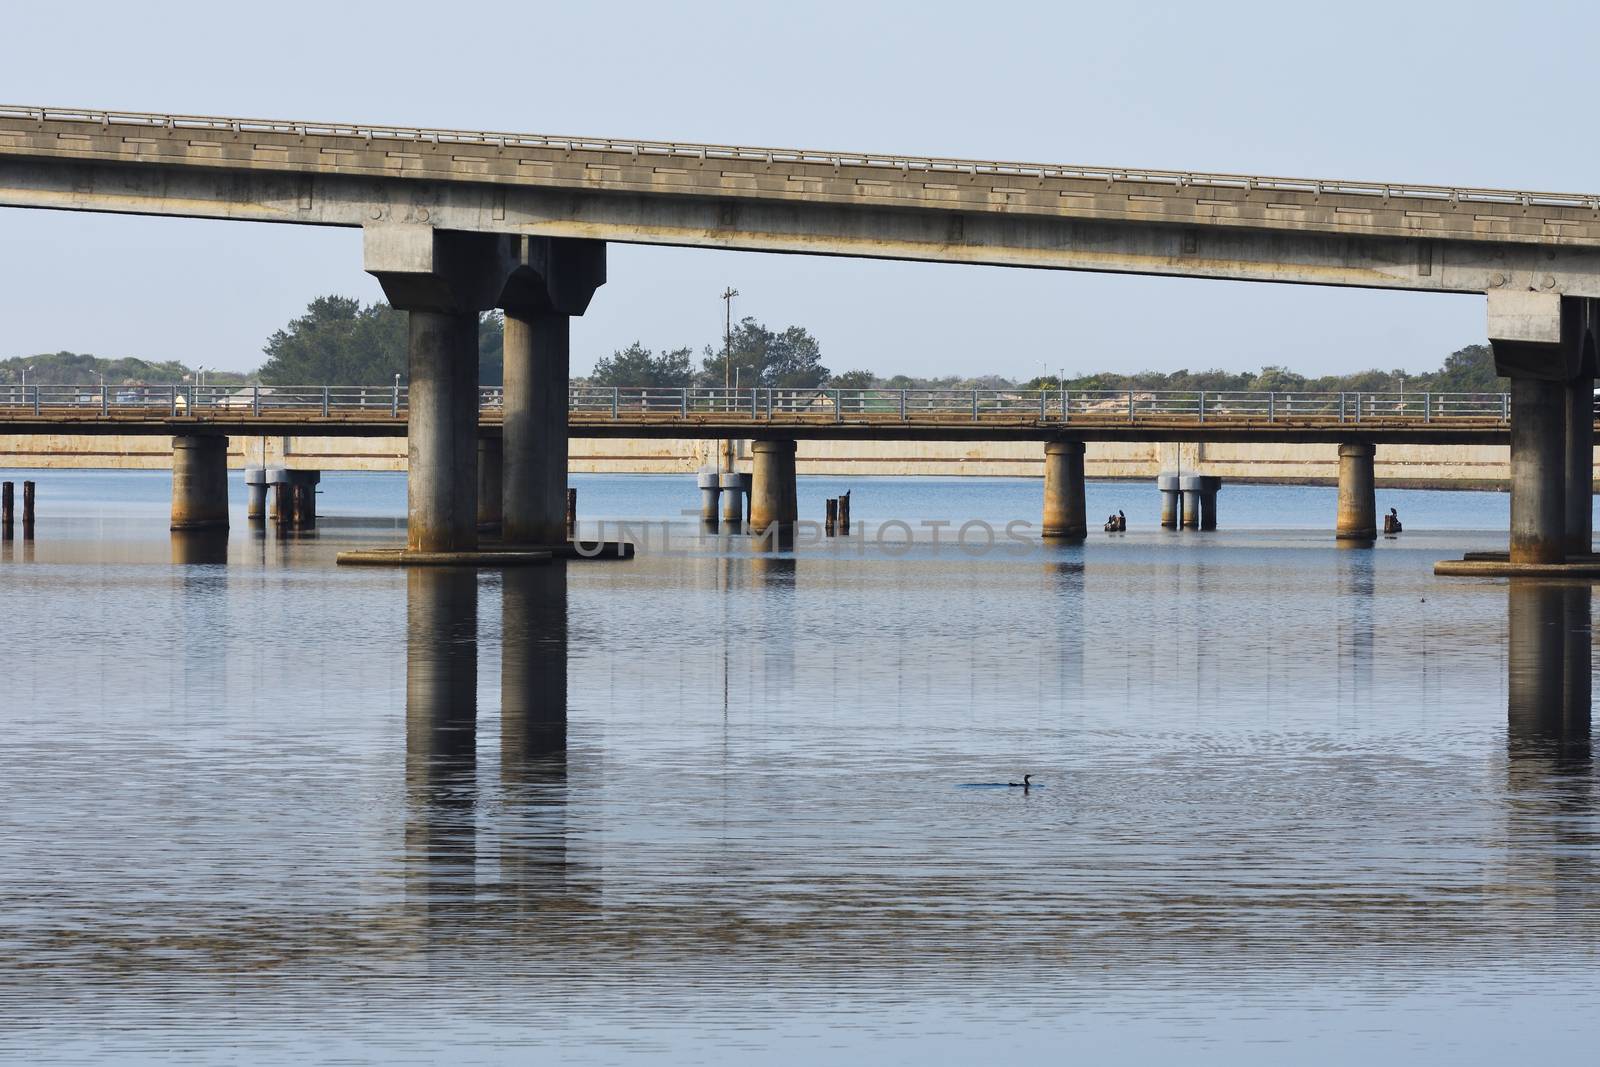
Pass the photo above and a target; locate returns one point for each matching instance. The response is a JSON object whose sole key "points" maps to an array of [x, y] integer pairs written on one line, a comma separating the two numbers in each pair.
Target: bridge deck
{"points": [[872, 414], [1130, 220]]}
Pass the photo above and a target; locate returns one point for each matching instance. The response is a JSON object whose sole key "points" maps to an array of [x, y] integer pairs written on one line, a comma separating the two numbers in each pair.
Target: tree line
{"points": [[339, 340]]}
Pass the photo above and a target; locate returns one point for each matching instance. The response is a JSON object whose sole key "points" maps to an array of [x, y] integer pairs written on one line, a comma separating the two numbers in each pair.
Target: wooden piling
{"points": [[27, 511], [572, 513], [832, 516], [844, 514], [6, 509]]}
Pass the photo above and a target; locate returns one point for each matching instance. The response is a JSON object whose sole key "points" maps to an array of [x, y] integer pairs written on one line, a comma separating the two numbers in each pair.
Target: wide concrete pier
{"points": [[773, 502], [442, 433], [199, 482], [1065, 513], [1358, 502]]}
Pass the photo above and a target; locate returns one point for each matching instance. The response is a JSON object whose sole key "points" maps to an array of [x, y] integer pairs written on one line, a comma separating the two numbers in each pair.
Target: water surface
{"points": [[1303, 802]]}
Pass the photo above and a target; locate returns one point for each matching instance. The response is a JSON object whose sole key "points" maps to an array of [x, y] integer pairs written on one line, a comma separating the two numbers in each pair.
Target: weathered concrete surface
{"points": [[773, 499], [1420, 466], [442, 460], [1580, 466], [1538, 471], [199, 483], [1319, 232], [1357, 518], [1065, 515], [552, 281]]}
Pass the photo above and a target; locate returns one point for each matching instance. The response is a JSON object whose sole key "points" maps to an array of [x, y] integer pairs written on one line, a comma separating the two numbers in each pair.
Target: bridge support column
{"points": [[1358, 502], [773, 498], [1580, 467], [708, 481], [732, 485], [490, 471], [1210, 485], [200, 482], [1189, 489], [1538, 471], [537, 356], [255, 484], [1065, 513], [1168, 484], [442, 432]]}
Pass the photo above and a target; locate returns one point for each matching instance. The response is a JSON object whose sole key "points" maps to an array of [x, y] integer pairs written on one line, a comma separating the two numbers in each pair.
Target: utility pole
{"points": [[727, 363]]}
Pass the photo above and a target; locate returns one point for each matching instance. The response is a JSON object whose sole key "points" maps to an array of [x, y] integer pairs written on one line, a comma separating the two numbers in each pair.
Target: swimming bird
{"points": [[1022, 785]]}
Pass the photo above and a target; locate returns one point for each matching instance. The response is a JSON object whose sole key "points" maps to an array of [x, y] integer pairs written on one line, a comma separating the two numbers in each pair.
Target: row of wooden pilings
{"points": [[8, 511]]}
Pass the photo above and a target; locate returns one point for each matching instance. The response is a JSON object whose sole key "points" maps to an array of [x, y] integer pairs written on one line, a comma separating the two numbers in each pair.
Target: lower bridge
{"points": [[770, 423]]}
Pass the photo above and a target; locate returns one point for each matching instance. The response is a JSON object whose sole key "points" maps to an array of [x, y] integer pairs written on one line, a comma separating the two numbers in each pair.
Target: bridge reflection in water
{"points": [[1550, 788], [451, 882]]}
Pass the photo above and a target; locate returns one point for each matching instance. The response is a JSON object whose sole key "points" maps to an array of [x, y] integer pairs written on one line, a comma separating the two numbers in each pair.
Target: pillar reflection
{"points": [[441, 739], [1357, 639], [533, 735], [1548, 663], [1549, 771]]}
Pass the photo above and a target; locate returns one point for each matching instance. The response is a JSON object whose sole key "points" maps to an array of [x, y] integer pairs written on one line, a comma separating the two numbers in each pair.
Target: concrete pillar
{"points": [[490, 483], [773, 498], [1065, 514], [1168, 484], [708, 479], [1189, 490], [731, 484], [255, 484], [1358, 501], [537, 356], [199, 482], [1538, 471], [442, 432], [1580, 467], [1210, 485]]}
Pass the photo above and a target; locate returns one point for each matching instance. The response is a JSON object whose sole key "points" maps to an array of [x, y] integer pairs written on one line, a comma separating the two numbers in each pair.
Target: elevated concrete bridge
{"points": [[456, 222]]}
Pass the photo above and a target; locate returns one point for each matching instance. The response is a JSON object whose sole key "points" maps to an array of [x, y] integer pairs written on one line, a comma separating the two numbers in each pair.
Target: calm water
{"points": [[1301, 803]]}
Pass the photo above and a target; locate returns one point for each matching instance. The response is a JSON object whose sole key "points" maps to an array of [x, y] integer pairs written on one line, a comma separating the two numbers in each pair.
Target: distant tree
{"points": [[1468, 370], [636, 365], [340, 341], [492, 349], [854, 379], [77, 368], [759, 357]]}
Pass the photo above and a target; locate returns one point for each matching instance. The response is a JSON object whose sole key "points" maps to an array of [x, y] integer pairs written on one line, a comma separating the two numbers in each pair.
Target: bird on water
{"points": [[1022, 785]]}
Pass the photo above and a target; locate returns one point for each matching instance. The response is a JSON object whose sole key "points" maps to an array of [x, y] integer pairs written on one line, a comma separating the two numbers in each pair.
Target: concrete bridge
{"points": [[457, 222]]}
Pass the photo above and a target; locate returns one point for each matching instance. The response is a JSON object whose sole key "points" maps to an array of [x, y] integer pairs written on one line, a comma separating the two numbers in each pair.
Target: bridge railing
{"points": [[784, 405]]}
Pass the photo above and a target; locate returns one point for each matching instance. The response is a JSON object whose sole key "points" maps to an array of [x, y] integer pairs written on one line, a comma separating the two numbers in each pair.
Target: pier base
{"points": [[1189, 490], [1358, 502], [708, 480], [773, 497], [1168, 484], [200, 482], [1065, 513]]}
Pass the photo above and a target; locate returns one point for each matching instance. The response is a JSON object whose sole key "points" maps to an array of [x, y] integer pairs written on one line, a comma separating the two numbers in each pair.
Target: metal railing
{"points": [[651, 404], [904, 164]]}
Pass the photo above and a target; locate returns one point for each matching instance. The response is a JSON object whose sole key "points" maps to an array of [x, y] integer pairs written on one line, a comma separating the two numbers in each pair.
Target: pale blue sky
{"points": [[1448, 93]]}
